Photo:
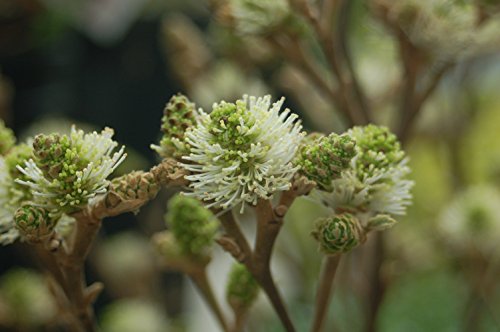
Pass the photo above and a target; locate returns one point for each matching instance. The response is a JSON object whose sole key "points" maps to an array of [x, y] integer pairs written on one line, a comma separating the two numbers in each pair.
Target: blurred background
{"points": [[115, 63]]}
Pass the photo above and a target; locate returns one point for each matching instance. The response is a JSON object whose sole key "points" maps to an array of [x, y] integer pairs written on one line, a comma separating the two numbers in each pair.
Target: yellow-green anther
{"points": [[33, 222], [193, 226], [338, 234], [7, 138], [242, 289], [380, 222], [323, 159], [179, 114]]}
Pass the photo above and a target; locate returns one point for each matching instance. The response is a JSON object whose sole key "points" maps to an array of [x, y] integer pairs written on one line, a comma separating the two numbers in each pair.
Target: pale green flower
{"points": [[472, 219], [377, 180], [67, 171], [242, 152]]}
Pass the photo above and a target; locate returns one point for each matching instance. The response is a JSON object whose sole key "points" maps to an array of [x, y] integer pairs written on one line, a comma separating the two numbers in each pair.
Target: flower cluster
{"points": [[447, 29], [67, 171], [323, 159], [179, 114], [242, 151], [376, 182], [472, 220]]}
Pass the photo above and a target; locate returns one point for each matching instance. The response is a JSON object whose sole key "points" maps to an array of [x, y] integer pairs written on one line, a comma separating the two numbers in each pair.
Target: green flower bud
{"points": [[7, 138], [323, 159], [34, 222], [193, 226], [338, 234], [136, 185], [179, 114], [377, 149], [242, 289], [380, 222], [53, 153]]}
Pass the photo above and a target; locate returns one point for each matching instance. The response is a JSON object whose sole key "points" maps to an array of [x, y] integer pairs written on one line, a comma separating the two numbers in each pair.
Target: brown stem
{"points": [[377, 284], [240, 318], [413, 104], [352, 97], [201, 281], [343, 21], [86, 229], [294, 52], [325, 291], [242, 252]]}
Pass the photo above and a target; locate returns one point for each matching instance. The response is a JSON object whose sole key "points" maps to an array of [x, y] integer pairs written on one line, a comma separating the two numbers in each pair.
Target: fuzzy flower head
{"points": [[179, 114], [67, 171], [472, 219], [193, 226], [242, 289], [242, 151], [324, 159], [376, 182]]}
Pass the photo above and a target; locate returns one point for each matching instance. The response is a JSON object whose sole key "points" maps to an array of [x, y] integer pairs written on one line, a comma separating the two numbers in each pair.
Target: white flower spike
{"points": [[242, 151]]}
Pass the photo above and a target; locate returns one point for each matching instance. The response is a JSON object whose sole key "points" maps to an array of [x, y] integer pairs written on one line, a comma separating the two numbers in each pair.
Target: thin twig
{"points": [[325, 291], [343, 22], [294, 52], [201, 281], [349, 98]]}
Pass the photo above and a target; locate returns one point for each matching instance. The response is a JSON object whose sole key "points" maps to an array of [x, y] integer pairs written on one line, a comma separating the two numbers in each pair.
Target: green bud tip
{"points": [[242, 289], [193, 226], [338, 234], [33, 222], [179, 114], [322, 159], [380, 222], [377, 149]]}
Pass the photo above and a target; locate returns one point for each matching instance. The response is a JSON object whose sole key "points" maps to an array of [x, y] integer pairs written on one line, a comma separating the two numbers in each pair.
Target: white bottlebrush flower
{"points": [[242, 152], [67, 171], [472, 219], [377, 180]]}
